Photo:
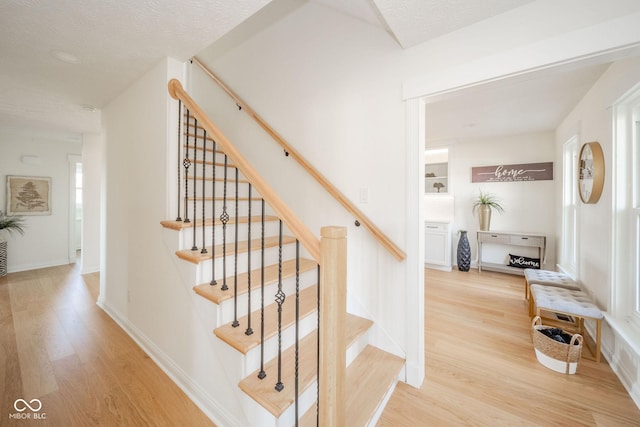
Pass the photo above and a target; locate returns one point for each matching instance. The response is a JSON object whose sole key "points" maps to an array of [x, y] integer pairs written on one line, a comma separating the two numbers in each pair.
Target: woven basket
{"points": [[555, 355]]}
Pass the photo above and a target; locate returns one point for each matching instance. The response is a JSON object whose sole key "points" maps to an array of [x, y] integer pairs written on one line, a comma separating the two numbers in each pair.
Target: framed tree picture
{"points": [[28, 195]]}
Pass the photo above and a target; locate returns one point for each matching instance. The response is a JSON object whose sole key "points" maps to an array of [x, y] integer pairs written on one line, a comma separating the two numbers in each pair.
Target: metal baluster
{"points": [[224, 218], [195, 181], [280, 297], [297, 327], [204, 175], [213, 281], [249, 331], [186, 163], [235, 323], [178, 218], [318, 353], [262, 374]]}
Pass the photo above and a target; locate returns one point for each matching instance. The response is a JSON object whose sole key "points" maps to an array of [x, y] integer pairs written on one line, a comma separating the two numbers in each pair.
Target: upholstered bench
{"points": [[569, 302], [548, 278]]}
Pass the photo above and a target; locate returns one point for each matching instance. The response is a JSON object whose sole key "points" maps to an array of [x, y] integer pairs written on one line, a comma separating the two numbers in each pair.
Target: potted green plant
{"points": [[9, 224], [484, 204]]}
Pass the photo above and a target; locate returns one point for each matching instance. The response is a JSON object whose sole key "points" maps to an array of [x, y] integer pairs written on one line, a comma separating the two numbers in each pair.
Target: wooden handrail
{"points": [[297, 227], [337, 194]]}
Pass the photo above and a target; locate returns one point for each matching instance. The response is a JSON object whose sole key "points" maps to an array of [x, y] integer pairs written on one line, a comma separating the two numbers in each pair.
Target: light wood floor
{"points": [[481, 369], [57, 346]]}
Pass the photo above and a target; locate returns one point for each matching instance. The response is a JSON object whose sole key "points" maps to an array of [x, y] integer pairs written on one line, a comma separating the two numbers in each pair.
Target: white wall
{"points": [[591, 120], [530, 207], [46, 239], [330, 84], [140, 285], [92, 171], [333, 86]]}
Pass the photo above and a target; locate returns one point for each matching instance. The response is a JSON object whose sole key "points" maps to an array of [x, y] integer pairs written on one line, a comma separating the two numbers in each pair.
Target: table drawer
{"points": [[527, 240], [493, 238]]}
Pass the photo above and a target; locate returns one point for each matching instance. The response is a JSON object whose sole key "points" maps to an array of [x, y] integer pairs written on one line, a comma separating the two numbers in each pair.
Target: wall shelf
{"points": [[436, 178]]}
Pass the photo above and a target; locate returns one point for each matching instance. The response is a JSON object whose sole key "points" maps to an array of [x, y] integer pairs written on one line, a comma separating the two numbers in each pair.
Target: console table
{"points": [[510, 239]]}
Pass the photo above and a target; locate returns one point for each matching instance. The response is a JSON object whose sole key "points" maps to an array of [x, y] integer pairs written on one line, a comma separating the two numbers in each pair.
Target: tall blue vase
{"points": [[464, 252]]}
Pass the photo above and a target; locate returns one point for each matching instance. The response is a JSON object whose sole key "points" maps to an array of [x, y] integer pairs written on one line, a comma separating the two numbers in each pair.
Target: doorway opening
{"points": [[75, 209], [78, 211]]}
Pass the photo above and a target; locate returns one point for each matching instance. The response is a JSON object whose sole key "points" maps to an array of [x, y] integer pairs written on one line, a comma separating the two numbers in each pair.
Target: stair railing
{"points": [[297, 227], [329, 252], [361, 218]]}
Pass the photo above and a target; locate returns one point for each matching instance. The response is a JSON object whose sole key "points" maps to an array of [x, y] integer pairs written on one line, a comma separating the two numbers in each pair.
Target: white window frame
{"points": [[569, 249], [626, 210]]}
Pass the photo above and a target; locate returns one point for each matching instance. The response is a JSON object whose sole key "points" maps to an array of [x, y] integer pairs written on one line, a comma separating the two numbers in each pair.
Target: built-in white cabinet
{"points": [[437, 239]]}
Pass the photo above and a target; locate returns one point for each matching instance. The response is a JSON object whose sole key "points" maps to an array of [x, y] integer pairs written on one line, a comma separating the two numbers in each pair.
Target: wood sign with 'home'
{"points": [[513, 173]]}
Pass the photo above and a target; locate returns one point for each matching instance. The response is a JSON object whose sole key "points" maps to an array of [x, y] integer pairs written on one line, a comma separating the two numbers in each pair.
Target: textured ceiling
{"points": [[115, 42]]}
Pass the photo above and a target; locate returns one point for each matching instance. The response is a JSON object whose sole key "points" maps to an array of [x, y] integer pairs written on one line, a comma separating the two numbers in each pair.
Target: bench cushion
{"points": [[550, 278], [565, 300]]}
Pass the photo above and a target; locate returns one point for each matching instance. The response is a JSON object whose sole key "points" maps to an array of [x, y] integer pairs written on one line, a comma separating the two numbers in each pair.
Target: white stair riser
{"points": [[242, 187], [354, 350], [219, 159], [225, 309], [209, 313], [243, 209], [271, 229], [259, 416], [307, 398], [203, 269], [251, 360]]}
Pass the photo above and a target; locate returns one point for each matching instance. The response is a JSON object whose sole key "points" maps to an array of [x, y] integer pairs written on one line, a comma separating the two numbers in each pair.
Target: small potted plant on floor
{"points": [[9, 224], [484, 204]]}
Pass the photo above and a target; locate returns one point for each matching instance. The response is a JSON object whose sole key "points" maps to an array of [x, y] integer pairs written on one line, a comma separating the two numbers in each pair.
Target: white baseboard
{"points": [[27, 267], [628, 379], [414, 374], [218, 414], [446, 268], [88, 269]]}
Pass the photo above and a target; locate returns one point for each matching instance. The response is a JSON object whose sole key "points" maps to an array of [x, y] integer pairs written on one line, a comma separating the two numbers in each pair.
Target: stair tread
{"points": [[196, 256], [221, 198], [263, 391], [236, 337], [369, 378], [198, 161], [218, 179], [179, 225], [216, 295], [199, 136]]}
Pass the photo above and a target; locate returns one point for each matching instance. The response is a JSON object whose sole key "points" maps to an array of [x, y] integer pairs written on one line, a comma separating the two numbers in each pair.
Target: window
{"points": [[626, 205], [78, 190], [569, 249]]}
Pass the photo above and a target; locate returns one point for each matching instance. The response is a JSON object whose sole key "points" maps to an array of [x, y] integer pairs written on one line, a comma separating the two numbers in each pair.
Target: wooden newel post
{"points": [[333, 313]]}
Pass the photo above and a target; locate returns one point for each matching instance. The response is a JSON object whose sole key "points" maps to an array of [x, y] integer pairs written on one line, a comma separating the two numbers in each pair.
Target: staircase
{"points": [[263, 288]]}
